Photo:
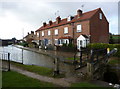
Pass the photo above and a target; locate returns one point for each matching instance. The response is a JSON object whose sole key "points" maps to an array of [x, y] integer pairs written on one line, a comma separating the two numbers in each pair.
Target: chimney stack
{"points": [[50, 22], [79, 13], [32, 32], [44, 24], [58, 19]]}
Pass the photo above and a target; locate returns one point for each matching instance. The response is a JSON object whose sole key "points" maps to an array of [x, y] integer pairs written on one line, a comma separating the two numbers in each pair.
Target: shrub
{"points": [[97, 46], [64, 45], [70, 45], [104, 45]]}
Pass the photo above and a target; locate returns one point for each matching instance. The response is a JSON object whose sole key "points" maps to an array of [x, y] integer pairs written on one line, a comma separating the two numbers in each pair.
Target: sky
{"points": [[18, 17]]}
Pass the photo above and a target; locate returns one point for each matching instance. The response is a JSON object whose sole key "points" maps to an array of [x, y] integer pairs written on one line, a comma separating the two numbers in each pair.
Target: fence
{"points": [[5, 61], [92, 56]]}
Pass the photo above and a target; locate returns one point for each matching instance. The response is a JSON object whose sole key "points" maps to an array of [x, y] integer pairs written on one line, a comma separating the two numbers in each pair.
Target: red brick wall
{"points": [[85, 29], [99, 29], [60, 33]]}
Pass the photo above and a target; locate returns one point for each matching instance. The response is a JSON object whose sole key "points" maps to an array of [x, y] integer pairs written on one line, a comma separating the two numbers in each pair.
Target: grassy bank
{"points": [[86, 85], [14, 79], [114, 62], [38, 70]]}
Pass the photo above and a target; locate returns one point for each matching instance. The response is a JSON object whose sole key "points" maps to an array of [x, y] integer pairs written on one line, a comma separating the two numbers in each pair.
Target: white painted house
{"points": [[82, 41]]}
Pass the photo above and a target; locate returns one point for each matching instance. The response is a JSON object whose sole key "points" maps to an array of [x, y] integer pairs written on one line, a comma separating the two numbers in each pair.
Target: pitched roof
{"points": [[85, 36], [85, 16]]}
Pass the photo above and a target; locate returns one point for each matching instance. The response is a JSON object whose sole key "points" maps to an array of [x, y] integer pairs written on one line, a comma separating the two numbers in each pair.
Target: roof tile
{"points": [[85, 16]]}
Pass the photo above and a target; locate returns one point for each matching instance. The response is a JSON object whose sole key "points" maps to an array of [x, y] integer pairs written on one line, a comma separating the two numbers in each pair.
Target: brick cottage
{"points": [[81, 29]]}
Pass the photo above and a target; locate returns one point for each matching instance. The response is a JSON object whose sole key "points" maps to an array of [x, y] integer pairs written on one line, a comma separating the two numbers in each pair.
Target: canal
{"points": [[28, 57]]}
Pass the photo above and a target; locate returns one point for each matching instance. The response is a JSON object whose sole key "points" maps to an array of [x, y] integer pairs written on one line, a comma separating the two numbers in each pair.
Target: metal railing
{"points": [[5, 58]]}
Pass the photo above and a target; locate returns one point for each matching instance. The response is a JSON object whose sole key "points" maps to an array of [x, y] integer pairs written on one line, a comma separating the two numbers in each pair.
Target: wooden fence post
{"points": [[56, 66], [80, 57], [8, 61]]}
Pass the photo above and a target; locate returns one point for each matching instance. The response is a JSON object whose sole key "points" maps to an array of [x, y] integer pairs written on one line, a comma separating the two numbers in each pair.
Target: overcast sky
{"points": [[17, 17]]}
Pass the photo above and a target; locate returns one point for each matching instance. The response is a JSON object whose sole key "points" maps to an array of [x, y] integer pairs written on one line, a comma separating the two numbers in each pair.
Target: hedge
{"points": [[104, 45]]}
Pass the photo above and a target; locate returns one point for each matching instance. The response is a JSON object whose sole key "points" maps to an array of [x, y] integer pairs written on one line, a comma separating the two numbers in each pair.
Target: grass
{"points": [[116, 37], [84, 84], [14, 79], [87, 85], [38, 69], [114, 61]]}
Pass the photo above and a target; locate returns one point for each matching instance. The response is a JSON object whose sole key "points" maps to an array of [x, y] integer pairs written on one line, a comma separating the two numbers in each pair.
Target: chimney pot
{"points": [[79, 12], [58, 19], [44, 24], [50, 22], [32, 32]]}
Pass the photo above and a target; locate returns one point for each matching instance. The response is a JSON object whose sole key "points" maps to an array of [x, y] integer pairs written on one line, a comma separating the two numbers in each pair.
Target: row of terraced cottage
{"points": [[80, 30]]}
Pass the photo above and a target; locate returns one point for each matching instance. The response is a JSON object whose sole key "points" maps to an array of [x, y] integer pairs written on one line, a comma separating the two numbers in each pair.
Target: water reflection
{"points": [[33, 58]]}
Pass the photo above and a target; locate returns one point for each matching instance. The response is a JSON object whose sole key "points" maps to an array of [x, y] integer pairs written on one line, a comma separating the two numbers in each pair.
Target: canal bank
{"points": [[30, 56], [60, 82], [59, 54]]}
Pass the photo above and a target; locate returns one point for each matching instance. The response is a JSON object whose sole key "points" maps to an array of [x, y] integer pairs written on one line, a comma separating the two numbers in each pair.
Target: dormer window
{"points": [[100, 15]]}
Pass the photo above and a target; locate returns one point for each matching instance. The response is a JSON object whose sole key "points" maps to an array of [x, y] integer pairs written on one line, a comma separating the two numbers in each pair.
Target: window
{"points": [[37, 34], [100, 15], [56, 31], [42, 33], [49, 41], [79, 28], [65, 30], [49, 32], [56, 41]]}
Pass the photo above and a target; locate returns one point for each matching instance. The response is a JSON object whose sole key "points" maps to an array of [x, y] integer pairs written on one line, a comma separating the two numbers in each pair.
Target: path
{"points": [[61, 82]]}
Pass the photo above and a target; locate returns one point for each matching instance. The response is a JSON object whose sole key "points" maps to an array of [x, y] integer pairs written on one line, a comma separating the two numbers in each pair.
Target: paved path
{"points": [[61, 82]]}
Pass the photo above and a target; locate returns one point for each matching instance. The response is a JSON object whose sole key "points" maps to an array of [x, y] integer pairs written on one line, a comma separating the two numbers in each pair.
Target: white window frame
{"points": [[49, 32], [100, 15], [43, 33], [79, 28], [65, 30], [56, 31], [38, 34], [56, 41]]}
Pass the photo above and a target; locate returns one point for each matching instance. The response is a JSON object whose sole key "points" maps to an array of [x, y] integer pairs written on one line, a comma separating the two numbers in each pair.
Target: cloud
{"points": [[30, 14]]}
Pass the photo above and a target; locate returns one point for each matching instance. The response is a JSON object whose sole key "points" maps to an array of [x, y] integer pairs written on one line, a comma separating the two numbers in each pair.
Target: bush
{"points": [[64, 45], [70, 45], [97, 46], [23, 44], [104, 45]]}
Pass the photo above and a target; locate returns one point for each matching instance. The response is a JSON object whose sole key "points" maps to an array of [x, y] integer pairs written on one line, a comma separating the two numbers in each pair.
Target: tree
{"points": [[111, 41]]}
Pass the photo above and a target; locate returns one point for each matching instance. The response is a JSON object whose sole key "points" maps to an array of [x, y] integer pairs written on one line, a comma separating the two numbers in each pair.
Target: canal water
{"points": [[33, 58]]}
